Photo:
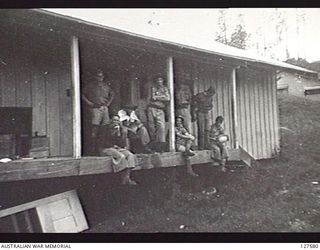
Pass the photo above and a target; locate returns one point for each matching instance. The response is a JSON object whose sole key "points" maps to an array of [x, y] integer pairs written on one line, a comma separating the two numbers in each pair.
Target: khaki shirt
{"points": [[183, 97], [216, 131], [159, 97], [99, 93], [182, 131], [203, 102]]}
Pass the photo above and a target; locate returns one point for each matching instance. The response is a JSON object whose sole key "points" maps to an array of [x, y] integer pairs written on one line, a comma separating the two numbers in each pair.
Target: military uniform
{"points": [[100, 95], [203, 104], [181, 143], [113, 143], [156, 113], [183, 100], [219, 150]]}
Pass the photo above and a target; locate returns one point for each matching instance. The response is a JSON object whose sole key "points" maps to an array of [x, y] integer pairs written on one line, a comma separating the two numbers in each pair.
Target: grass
{"points": [[275, 196]]}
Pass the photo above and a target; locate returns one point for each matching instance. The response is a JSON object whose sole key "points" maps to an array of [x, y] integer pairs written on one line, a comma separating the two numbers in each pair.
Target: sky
{"points": [[193, 23]]}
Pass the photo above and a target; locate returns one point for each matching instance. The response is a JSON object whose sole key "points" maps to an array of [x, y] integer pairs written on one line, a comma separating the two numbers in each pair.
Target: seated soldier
{"points": [[137, 133], [113, 143], [217, 140], [183, 142], [183, 138]]}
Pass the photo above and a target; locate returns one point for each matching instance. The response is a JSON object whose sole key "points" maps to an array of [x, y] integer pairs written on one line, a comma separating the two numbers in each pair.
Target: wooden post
{"points": [[234, 107], [76, 99], [170, 78]]}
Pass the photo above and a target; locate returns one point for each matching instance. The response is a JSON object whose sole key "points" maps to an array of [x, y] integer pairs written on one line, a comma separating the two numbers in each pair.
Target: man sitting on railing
{"points": [[217, 142], [137, 133], [183, 142], [114, 143]]}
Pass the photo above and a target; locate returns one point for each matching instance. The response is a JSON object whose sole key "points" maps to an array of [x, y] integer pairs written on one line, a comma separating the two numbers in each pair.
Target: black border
{"points": [[162, 238], [158, 3]]}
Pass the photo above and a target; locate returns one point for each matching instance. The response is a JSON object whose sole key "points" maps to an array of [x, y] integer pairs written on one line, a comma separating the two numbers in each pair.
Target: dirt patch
{"points": [[278, 195]]}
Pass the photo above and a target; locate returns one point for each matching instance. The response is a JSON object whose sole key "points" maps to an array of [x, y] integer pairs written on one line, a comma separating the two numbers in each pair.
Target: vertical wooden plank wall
{"points": [[36, 74], [257, 112], [276, 145], [65, 92], [206, 75]]}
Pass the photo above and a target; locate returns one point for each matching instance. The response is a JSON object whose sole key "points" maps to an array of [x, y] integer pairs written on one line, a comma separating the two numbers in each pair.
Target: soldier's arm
{"points": [[87, 101], [213, 134], [180, 135], [165, 97], [112, 94]]}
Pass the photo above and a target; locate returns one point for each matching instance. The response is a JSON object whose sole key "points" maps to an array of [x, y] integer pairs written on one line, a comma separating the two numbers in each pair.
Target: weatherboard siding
{"points": [[205, 75], [36, 74], [257, 112]]}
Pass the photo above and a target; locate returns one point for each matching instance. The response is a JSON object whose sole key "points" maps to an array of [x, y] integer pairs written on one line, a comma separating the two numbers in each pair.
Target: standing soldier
{"points": [[183, 101], [156, 114], [202, 104], [98, 96]]}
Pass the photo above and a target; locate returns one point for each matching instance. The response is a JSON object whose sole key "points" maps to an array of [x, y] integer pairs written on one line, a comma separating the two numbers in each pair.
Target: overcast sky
{"points": [[203, 23]]}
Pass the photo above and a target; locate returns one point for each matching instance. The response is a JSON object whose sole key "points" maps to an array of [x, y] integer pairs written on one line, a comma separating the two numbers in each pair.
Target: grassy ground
{"points": [[276, 196]]}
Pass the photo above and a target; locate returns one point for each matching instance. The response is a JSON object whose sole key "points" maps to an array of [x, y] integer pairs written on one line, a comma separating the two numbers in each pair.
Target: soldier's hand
{"points": [[96, 106]]}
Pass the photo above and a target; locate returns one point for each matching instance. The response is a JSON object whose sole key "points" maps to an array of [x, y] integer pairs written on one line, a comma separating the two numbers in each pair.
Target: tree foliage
{"points": [[239, 37]]}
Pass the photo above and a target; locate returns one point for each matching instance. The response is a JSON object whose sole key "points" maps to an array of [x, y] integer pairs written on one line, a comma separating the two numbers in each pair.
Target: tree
{"points": [[238, 38], [221, 35]]}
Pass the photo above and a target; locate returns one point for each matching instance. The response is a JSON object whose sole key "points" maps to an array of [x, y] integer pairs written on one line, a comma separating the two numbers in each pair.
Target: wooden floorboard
{"points": [[61, 167]]}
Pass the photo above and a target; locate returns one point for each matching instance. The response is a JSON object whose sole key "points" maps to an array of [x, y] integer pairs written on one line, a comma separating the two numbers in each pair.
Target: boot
{"points": [[191, 172], [223, 165], [126, 178], [189, 153]]}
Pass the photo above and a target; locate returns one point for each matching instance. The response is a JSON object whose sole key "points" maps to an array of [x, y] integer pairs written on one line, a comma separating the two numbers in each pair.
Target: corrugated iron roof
{"points": [[195, 43]]}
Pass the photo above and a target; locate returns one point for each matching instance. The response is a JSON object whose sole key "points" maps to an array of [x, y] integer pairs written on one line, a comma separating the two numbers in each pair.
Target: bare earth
{"points": [[278, 195]]}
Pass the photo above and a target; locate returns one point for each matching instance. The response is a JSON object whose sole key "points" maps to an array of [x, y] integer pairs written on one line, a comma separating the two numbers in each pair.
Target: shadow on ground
{"points": [[278, 195]]}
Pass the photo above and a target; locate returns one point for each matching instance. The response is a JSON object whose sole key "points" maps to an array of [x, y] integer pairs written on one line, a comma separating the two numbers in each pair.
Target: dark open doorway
{"points": [[130, 73]]}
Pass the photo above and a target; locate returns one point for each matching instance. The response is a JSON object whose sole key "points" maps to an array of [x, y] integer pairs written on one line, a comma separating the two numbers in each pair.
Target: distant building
{"points": [[301, 85]]}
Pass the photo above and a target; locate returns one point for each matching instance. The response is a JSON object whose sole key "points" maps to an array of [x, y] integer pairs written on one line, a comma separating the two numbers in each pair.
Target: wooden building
{"points": [[300, 85], [47, 58]]}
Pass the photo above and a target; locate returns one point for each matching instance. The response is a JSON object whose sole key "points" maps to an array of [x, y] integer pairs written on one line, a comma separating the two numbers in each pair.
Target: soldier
{"points": [[183, 143], [156, 114], [217, 140], [138, 134], [183, 99], [202, 104], [98, 96], [113, 142]]}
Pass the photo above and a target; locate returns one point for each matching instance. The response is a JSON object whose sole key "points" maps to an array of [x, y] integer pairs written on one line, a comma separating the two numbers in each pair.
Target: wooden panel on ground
{"points": [[61, 213]]}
